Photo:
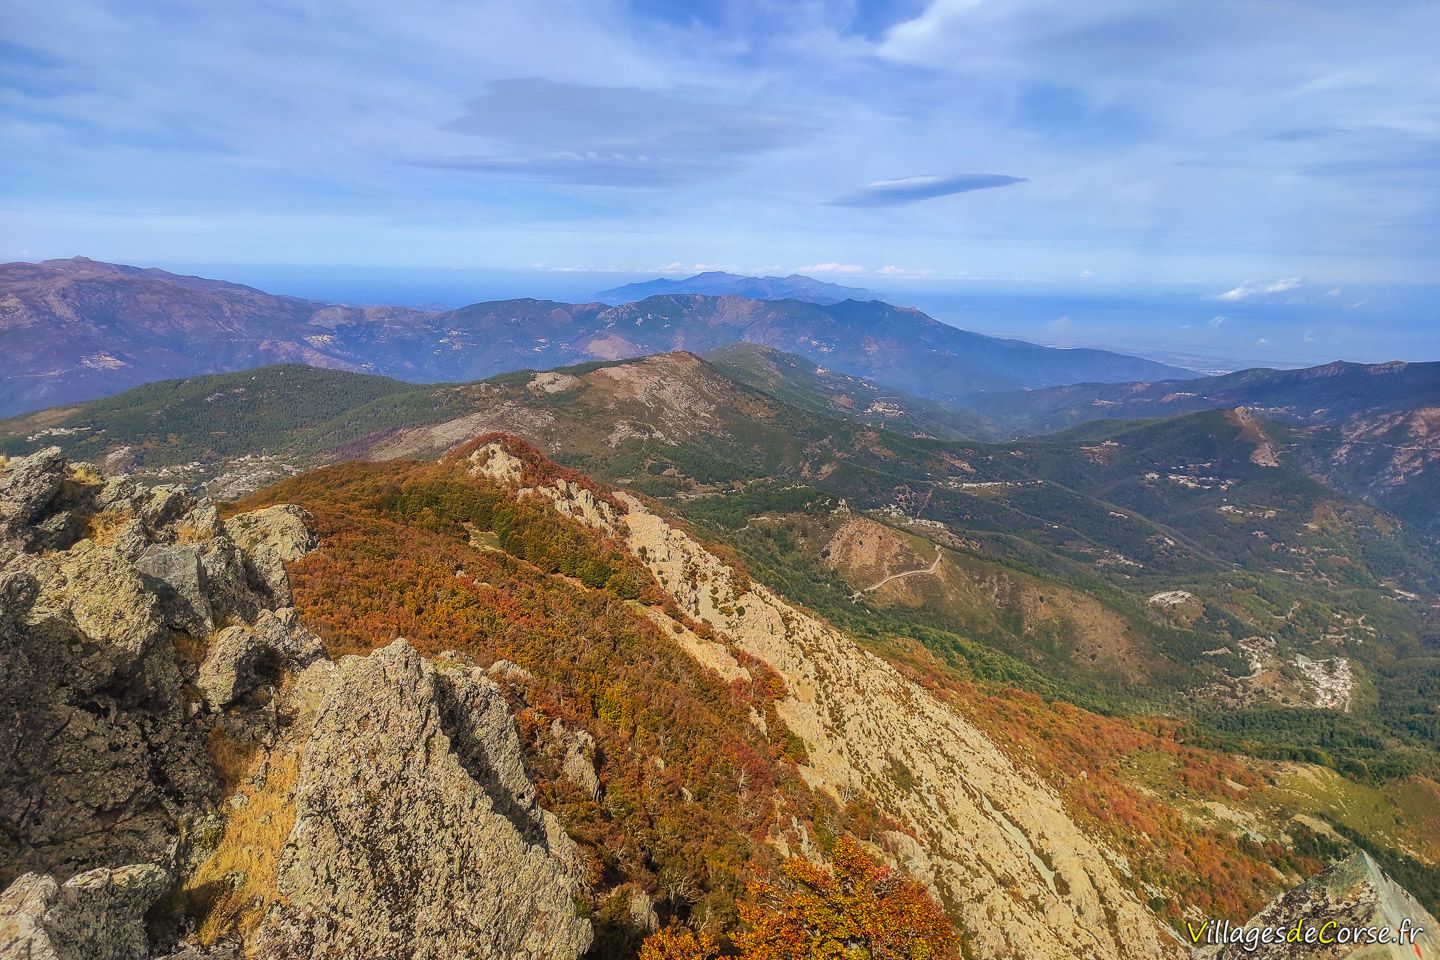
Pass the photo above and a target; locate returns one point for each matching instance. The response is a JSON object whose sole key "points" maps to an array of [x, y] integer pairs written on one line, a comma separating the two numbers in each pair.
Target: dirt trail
{"points": [[903, 574]]}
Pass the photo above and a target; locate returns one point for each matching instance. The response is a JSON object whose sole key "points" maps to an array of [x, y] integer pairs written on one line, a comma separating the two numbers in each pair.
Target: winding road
{"points": [[900, 576]]}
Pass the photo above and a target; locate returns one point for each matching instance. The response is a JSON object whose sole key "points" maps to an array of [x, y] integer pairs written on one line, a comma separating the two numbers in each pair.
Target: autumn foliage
{"points": [[679, 943], [693, 789], [855, 909]]}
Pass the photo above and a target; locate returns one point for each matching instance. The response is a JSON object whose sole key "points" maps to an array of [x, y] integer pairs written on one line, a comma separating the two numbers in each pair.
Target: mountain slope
{"points": [[72, 330], [717, 284], [1355, 894], [804, 384], [1185, 566], [898, 347], [1327, 394], [77, 329], [1055, 549]]}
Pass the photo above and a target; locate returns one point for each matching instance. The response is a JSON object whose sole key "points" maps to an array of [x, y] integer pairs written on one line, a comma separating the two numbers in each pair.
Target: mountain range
{"points": [[708, 603], [716, 283], [74, 330], [937, 664], [1326, 394]]}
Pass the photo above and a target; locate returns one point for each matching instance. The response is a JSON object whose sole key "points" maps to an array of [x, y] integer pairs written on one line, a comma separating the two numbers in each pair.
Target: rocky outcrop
{"points": [[1354, 894], [97, 915], [268, 538], [136, 631], [416, 823], [577, 758], [234, 664], [107, 591], [177, 573], [27, 487]]}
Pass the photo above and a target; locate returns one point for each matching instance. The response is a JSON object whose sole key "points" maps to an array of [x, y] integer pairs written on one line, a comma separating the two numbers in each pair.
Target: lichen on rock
{"points": [[417, 823]]}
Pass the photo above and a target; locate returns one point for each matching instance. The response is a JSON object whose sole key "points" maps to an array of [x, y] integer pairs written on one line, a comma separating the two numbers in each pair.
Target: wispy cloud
{"points": [[1256, 289], [541, 129], [847, 269], [894, 270], [884, 193]]}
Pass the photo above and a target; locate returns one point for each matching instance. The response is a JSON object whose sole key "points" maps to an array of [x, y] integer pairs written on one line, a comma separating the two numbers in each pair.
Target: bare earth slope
{"points": [[1006, 857]]}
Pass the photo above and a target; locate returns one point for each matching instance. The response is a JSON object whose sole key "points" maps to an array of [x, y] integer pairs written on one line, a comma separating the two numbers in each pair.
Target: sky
{"points": [[1243, 152]]}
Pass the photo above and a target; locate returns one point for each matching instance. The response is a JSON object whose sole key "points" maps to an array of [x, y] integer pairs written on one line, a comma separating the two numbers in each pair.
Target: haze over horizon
{"points": [[1247, 183]]}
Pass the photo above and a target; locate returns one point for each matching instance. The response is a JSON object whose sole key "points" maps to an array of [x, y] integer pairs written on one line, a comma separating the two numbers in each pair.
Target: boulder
{"points": [[94, 589], [579, 764], [228, 580], [228, 672], [29, 484], [281, 633], [161, 507], [268, 538], [510, 672], [131, 540], [179, 581], [97, 915], [417, 824]]}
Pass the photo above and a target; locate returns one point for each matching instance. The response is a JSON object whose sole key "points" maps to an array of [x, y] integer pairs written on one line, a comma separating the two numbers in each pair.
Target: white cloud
{"points": [[891, 270], [1254, 289], [1218, 321], [850, 269]]}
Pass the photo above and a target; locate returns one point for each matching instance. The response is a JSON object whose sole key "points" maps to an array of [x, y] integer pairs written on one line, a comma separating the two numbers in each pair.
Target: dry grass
{"points": [[191, 649], [85, 475], [103, 526], [239, 879], [189, 533]]}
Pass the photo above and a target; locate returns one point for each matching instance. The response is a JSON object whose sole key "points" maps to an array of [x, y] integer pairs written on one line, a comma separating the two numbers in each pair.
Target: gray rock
{"points": [[641, 908], [202, 522], [97, 915], [163, 506], [228, 672], [229, 669], [228, 581], [513, 672], [282, 633], [417, 831], [131, 540], [18, 590], [97, 765], [579, 764], [121, 494], [268, 538], [1353, 893], [29, 484], [96, 590], [180, 584]]}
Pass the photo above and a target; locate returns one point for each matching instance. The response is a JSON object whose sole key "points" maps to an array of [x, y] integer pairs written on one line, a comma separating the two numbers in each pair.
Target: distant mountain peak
{"points": [[718, 283]]}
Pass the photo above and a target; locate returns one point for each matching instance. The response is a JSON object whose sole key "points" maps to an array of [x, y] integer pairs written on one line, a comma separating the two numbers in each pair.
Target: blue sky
{"points": [[1271, 149]]}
